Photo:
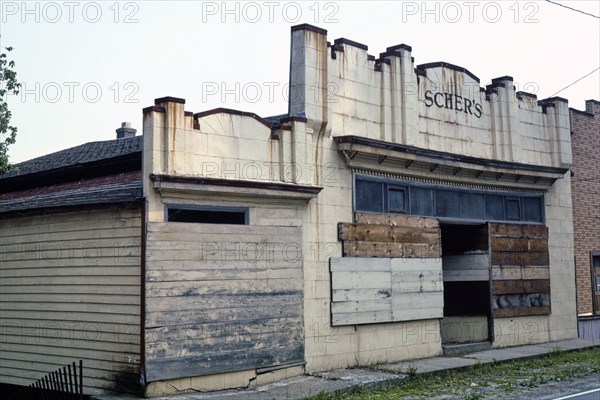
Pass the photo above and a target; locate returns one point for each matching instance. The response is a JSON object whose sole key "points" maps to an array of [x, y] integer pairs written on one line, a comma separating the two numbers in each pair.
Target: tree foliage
{"points": [[8, 86]]}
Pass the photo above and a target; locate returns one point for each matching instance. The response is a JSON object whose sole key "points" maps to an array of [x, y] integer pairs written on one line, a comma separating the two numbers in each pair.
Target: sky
{"points": [[85, 67]]}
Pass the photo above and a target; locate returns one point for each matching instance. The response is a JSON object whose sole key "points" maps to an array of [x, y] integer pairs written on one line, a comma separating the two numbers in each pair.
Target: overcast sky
{"points": [[88, 66]]}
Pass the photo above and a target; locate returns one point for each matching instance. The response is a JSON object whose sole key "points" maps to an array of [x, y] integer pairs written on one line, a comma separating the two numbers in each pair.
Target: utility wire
{"points": [[572, 9], [568, 86]]}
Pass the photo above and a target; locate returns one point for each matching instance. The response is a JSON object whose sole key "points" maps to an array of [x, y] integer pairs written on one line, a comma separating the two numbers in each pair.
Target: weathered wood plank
{"points": [[224, 229], [362, 306], [358, 264], [200, 330], [176, 318], [419, 314], [215, 265], [417, 301], [535, 231], [536, 272], [521, 300], [519, 244], [195, 288], [521, 312], [395, 220], [500, 272], [505, 230], [340, 295], [361, 280], [371, 249], [358, 318], [198, 364], [521, 286], [389, 250], [245, 300], [220, 256], [426, 281], [223, 274], [520, 258], [388, 234]]}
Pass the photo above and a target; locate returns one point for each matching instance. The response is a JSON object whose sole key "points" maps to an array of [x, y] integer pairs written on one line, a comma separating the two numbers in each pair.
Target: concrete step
{"points": [[457, 349]]}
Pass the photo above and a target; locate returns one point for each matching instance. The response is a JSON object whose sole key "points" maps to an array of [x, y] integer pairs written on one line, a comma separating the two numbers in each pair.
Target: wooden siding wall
{"points": [[222, 298], [403, 281], [69, 290], [520, 270]]}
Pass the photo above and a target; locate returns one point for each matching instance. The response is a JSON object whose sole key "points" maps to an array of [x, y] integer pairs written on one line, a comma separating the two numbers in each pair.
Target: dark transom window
{"points": [[400, 197]]}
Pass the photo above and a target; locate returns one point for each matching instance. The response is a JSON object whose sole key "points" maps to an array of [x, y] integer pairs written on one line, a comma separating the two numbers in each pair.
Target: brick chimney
{"points": [[125, 131]]}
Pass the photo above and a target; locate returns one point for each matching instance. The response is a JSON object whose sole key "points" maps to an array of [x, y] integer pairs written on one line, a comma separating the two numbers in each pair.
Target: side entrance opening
{"points": [[467, 299]]}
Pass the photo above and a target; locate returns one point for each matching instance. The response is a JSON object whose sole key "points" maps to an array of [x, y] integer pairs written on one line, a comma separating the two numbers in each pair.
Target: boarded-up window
{"points": [[368, 290], [520, 270], [392, 270], [222, 298]]}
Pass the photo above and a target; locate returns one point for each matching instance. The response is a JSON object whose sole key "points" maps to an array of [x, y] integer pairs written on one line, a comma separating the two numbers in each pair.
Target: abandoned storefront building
{"points": [[395, 211]]}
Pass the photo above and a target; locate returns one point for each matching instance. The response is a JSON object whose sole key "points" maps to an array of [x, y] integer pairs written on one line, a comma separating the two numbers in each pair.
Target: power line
{"points": [[572, 9], [568, 86]]}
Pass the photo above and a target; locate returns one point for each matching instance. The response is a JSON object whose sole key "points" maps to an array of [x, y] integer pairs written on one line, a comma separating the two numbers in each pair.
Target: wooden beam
{"points": [[521, 312]]}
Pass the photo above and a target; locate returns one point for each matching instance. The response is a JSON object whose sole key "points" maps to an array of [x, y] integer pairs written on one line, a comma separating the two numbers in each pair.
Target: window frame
{"points": [[506, 195], [200, 207]]}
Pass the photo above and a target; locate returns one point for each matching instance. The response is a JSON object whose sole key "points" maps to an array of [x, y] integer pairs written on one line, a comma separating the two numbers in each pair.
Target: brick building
{"points": [[585, 140]]}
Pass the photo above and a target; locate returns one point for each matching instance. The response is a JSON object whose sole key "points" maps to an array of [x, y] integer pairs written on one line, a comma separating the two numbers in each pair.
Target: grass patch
{"points": [[475, 382]]}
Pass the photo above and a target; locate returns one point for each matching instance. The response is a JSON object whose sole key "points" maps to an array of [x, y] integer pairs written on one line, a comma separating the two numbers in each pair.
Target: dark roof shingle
{"points": [[85, 153]]}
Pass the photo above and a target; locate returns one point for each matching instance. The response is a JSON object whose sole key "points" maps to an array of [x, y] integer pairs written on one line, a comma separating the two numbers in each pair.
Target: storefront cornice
{"points": [[361, 152], [281, 190]]}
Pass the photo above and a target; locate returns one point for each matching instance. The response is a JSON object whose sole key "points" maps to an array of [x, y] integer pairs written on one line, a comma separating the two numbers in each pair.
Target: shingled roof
{"points": [[78, 155], [106, 172]]}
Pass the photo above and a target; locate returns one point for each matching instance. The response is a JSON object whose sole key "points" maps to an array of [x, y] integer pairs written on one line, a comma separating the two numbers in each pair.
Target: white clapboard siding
{"points": [[70, 290], [222, 298], [466, 267], [374, 290]]}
